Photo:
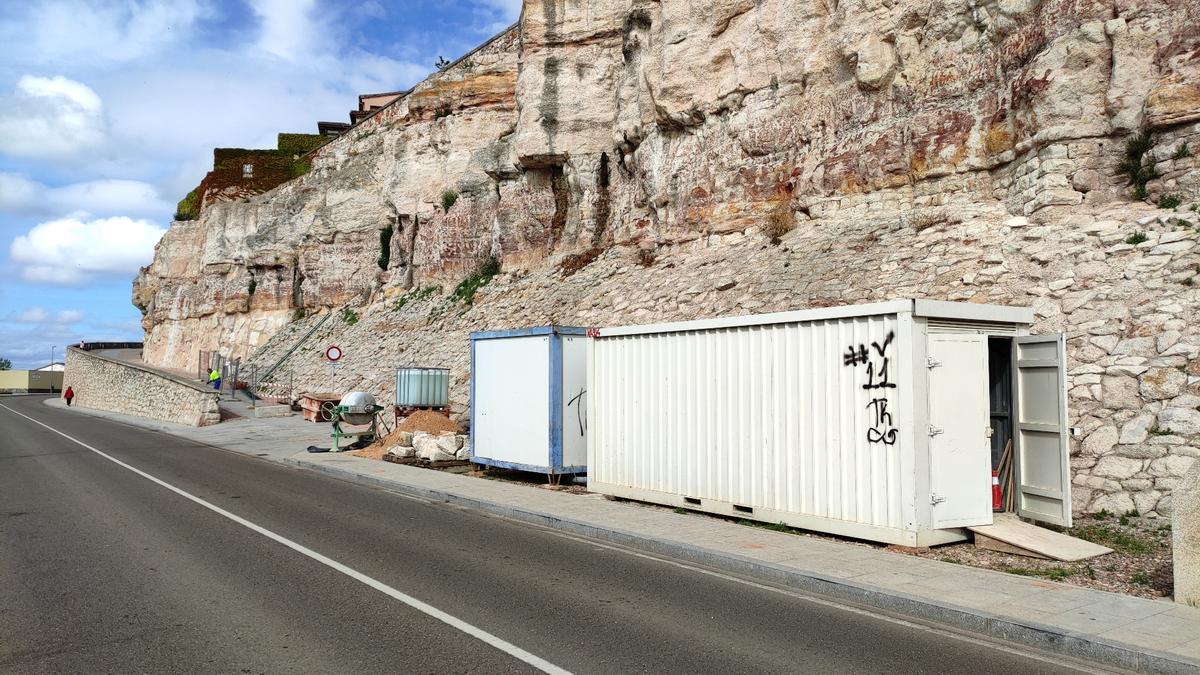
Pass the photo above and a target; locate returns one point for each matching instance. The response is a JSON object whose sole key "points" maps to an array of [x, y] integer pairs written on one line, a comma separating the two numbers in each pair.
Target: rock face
{"points": [[632, 161]]}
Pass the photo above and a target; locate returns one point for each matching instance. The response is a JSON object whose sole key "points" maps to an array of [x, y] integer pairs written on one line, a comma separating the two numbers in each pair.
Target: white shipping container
{"points": [[871, 421], [528, 390]]}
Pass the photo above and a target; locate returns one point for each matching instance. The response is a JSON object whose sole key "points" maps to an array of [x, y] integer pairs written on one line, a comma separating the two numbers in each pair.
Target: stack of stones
{"points": [[442, 447]]}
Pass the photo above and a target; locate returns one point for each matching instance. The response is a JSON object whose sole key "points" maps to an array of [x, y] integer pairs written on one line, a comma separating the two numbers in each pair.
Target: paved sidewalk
{"points": [[1117, 630]]}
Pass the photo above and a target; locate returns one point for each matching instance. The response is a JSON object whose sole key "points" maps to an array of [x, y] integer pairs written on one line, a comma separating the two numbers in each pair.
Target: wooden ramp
{"points": [[1009, 534]]}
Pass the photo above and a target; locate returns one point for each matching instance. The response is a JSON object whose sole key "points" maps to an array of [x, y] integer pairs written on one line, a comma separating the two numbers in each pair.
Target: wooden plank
{"points": [[1039, 541], [990, 544]]}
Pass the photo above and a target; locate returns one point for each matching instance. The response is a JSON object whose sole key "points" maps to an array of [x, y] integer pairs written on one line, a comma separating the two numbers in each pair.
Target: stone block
{"points": [[449, 442], [1163, 383], [402, 451], [1185, 533], [1101, 441], [1120, 392], [262, 411], [1114, 466], [1185, 421], [1136, 430], [1113, 502], [428, 446]]}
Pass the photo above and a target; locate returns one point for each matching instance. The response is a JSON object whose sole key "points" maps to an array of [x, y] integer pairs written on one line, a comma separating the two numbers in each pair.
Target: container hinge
{"points": [[936, 499], [934, 431], [933, 363]]}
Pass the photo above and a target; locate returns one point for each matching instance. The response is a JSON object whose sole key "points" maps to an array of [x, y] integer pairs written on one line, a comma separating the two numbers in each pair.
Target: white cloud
{"points": [[288, 30], [73, 251], [108, 197], [32, 315], [37, 315], [508, 9], [18, 193], [51, 118], [105, 197], [97, 31]]}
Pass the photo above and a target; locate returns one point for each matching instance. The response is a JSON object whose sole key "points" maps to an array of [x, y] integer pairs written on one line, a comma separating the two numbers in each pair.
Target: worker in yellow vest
{"points": [[215, 379]]}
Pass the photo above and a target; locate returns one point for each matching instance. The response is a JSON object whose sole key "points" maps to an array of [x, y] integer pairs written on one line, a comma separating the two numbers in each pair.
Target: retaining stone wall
{"points": [[116, 386]]}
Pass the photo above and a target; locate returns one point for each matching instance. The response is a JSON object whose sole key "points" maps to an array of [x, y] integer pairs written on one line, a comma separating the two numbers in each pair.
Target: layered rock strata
{"points": [[628, 161]]}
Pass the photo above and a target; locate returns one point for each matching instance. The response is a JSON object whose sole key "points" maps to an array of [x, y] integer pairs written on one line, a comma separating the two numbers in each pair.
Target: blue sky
{"points": [[109, 111]]}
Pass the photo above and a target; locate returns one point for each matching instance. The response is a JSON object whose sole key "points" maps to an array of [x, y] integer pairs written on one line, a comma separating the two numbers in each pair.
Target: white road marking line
{"points": [[478, 633]]}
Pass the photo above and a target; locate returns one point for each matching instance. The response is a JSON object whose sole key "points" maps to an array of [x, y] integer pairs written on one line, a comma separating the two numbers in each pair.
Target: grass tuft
{"points": [[484, 272]]}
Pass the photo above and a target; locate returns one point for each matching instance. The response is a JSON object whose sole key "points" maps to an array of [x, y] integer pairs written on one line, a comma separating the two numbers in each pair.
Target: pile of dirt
{"points": [[430, 422], [374, 451]]}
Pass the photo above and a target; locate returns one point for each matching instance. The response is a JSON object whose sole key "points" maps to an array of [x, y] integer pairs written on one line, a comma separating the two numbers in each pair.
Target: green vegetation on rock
{"points": [[189, 207], [483, 273]]}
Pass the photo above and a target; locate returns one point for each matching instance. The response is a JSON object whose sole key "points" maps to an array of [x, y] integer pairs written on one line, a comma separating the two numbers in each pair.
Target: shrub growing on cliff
{"points": [[300, 167], [1136, 238], [1169, 201], [449, 197], [385, 247], [1182, 152], [1137, 166], [483, 273], [189, 207], [778, 223], [349, 316]]}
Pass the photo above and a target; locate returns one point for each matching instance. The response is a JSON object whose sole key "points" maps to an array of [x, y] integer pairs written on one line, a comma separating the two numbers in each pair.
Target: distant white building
{"points": [[57, 367]]}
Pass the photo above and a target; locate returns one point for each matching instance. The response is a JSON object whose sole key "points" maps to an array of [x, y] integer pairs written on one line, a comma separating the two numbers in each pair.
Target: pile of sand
{"points": [[428, 421], [423, 420]]}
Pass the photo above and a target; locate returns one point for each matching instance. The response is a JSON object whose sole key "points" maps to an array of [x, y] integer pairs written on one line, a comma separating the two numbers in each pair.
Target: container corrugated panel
{"points": [[772, 417], [422, 387]]}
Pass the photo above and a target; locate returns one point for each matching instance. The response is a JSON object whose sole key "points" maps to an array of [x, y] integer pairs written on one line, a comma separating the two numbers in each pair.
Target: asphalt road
{"points": [[104, 570]]}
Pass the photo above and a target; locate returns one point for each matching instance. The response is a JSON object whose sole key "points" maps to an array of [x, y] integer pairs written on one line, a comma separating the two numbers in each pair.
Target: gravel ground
{"points": [[1140, 563]]}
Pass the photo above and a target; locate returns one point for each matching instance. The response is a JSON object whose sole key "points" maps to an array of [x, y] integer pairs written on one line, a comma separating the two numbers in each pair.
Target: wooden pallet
{"points": [[424, 463]]}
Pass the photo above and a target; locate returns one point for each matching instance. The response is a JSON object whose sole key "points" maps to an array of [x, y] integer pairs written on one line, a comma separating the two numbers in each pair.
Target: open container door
{"points": [[1043, 479], [959, 450]]}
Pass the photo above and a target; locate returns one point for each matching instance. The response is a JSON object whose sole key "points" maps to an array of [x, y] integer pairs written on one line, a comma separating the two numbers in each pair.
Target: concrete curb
{"points": [[1046, 638]]}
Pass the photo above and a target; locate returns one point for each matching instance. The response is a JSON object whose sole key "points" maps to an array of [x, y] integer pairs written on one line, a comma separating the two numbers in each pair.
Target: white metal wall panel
{"points": [[512, 400], [574, 400], [779, 417]]}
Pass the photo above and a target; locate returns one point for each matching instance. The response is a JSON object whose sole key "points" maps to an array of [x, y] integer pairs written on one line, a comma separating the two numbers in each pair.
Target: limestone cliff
{"points": [[637, 160]]}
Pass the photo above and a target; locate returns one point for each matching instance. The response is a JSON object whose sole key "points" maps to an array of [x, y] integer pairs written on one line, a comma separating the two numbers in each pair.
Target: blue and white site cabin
{"points": [[529, 399]]}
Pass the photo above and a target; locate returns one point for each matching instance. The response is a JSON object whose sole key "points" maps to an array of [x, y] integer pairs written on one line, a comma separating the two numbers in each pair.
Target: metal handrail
{"points": [[275, 366]]}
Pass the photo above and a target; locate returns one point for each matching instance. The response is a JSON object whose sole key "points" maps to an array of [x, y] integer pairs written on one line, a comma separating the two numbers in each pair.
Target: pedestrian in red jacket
{"points": [[68, 395]]}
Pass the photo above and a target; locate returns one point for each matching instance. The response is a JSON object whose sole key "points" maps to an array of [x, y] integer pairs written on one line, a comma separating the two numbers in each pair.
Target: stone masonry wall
{"points": [[1129, 312], [116, 386]]}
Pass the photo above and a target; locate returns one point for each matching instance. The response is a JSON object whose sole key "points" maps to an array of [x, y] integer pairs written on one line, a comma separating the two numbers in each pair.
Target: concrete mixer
{"points": [[357, 408]]}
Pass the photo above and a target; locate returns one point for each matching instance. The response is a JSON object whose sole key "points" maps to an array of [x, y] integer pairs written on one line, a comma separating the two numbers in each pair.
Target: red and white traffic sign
{"points": [[333, 353]]}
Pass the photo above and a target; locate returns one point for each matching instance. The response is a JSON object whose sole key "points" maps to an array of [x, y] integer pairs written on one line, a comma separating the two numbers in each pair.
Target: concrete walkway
{"points": [[1117, 630]]}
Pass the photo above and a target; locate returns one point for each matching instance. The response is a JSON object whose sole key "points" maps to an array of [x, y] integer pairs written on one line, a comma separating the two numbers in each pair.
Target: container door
{"points": [[1040, 431], [959, 449]]}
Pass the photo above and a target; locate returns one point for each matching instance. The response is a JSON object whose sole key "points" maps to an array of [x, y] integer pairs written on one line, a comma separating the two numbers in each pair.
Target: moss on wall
{"points": [[299, 144]]}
